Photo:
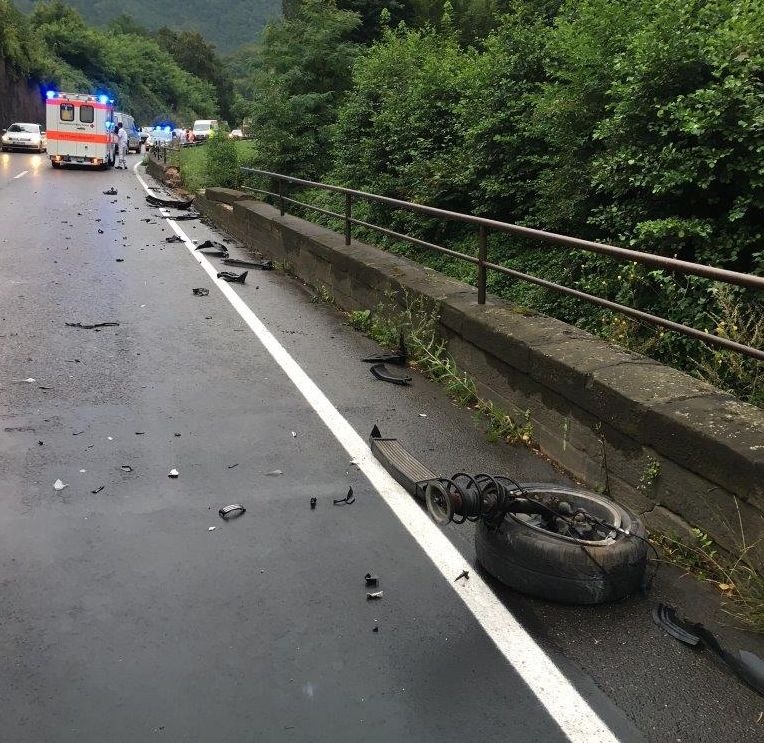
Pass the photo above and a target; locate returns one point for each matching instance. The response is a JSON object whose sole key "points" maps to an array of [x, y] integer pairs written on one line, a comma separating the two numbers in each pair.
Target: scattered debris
{"points": [[211, 528], [233, 277], [98, 490], [213, 246], [120, 260], [423, 415], [82, 472], [174, 239], [168, 203], [140, 433], [232, 512], [200, 292], [186, 217], [94, 326], [19, 429], [463, 574], [375, 629], [262, 265], [398, 358], [173, 473], [374, 595], [111, 192], [177, 435], [371, 580], [294, 434], [231, 466], [126, 468], [59, 485], [77, 433], [41, 443], [347, 500], [100, 231], [274, 473], [29, 380], [313, 502], [381, 372]]}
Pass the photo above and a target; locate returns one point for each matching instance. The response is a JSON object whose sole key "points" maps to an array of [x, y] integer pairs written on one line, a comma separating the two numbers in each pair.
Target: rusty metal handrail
{"points": [[750, 281]]}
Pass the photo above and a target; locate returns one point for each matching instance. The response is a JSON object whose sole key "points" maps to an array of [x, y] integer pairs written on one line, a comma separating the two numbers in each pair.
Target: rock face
{"points": [[19, 100], [172, 178]]}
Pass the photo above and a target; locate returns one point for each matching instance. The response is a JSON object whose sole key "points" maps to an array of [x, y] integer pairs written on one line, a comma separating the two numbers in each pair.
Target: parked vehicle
{"points": [[145, 132], [205, 128], [236, 134], [133, 133], [80, 129], [21, 136]]}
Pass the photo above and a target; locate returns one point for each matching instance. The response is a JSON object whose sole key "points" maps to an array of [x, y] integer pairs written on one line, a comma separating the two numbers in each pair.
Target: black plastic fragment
{"points": [[214, 246], [200, 292], [666, 618], [375, 432], [262, 265], [463, 574], [381, 372], [186, 217], [98, 490], [371, 580], [233, 278], [313, 502], [94, 326], [347, 500], [111, 192], [174, 239], [387, 358], [168, 203], [232, 512]]}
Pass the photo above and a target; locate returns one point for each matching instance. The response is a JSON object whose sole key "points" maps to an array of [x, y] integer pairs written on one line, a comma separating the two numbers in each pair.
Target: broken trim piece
{"points": [[381, 372]]}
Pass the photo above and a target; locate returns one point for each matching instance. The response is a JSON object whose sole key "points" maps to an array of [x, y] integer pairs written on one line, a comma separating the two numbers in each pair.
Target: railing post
{"points": [[482, 255], [281, 197], [348, 215]]}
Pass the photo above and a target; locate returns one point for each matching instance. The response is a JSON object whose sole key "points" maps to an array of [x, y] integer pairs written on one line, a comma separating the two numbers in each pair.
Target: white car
{"points": [[22, 136], [236, 134]]}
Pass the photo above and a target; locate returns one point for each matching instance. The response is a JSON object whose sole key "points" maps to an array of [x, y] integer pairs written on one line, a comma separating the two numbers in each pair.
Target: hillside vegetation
{"points": [[226, 23], [635, 122], [160, 76]]}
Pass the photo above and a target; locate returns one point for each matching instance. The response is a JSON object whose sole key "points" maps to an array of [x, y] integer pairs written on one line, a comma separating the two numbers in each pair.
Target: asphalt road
{"points": [[125, 618]]}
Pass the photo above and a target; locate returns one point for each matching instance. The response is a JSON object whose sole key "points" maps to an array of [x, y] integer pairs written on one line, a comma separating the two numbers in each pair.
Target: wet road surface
{"points": [[126, 618]]}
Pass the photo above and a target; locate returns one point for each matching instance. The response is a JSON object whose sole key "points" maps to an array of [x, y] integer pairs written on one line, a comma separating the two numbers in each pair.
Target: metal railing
{"points": [[674, 265]]}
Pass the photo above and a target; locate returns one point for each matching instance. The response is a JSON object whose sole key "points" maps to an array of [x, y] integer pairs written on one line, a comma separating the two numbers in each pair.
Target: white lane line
{"points": [[565, 705], [20, 175]]}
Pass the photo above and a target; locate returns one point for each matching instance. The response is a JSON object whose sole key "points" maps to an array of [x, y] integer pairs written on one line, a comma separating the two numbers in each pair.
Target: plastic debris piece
{"points": [[18, 429], [232, 512], [82, 471], [169, 203], [347, 500], [381, 372], [374, 595], [371, 580], [60, 485], [98, 490], [186, 217], [100, 231], [376, 629], [29, 380], [262, 265], [463, 574], [120, 260], [173, 239], [140, 433], [94, 326], [233, 278], [274, 473], [111, 192], [126, 468], [423, 415], [214, 246], [294, 434], [211, 528], [231, 466], [313, 502], [173, 473], [200, 292], [177, 435]]}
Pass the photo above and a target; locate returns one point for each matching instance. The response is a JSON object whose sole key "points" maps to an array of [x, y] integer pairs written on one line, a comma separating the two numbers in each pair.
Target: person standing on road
{"points": [[121, 146]]}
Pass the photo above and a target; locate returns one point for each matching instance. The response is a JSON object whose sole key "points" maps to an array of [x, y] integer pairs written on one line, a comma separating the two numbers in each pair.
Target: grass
{"points": [[416, 325], [192, 163], [740, 584]]}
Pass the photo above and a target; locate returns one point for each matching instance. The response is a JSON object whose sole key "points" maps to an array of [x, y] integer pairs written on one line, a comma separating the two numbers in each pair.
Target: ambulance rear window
{"points": [[67, 112], [87, 114]]}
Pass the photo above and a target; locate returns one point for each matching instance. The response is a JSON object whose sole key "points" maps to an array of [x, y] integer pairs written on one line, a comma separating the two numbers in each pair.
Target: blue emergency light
{"points": [[103, 98], [50, 94]]}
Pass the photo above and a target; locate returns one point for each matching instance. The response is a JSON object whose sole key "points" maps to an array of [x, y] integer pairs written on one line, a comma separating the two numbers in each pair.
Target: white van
{"points": [[133, 132], [205, 128], [80, 129]]}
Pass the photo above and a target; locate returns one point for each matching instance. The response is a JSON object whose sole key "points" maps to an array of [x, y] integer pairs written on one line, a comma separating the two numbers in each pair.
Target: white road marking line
{"points": [[578, 721], [22, 173]]}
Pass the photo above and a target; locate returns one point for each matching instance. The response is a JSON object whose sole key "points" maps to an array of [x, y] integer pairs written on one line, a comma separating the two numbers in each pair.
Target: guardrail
{"points": [[484, 225]]}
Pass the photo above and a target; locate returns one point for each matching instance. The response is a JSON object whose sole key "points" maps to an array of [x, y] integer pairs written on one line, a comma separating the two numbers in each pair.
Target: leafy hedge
{"points": [[637, 122]]}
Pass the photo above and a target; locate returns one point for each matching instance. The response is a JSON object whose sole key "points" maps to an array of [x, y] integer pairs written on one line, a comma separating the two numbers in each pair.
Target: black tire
{"points": [[562, 569], [55, 164]]}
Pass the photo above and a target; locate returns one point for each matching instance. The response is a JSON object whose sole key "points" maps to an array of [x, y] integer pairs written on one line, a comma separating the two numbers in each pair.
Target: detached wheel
{"points": [[565, 569]]}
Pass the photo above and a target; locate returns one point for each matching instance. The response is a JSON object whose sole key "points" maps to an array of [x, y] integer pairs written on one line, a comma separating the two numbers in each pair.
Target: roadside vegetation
{"points": [[637, 123], [216, 163]]}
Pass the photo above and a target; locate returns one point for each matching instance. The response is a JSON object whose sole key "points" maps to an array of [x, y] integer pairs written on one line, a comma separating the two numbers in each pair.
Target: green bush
{"points": [[222, 161]]}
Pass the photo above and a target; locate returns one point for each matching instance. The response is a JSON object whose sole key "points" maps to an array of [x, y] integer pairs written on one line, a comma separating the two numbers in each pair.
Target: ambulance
{"points": [[80, 129]]}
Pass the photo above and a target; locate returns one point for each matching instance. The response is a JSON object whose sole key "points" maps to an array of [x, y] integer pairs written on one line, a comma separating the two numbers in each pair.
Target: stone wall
{"points": [[676, 450], [19, 100]]}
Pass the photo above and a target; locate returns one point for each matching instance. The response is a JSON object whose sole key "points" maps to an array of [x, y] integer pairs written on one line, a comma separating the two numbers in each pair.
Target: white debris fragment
{"points": [[60, 485], [211, 528], [82, 472], [423, 415], [22, 381], [274, 473], [173, 473], [294, 434]]}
